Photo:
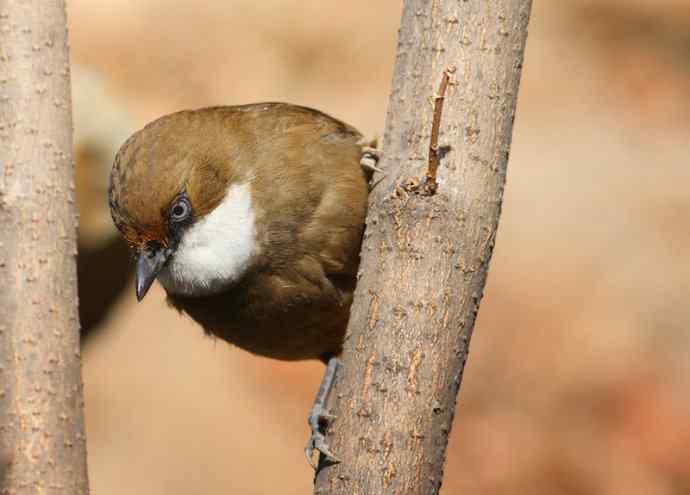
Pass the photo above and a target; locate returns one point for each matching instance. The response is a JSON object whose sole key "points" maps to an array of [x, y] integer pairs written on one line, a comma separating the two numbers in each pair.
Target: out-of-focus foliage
{"points": [[101, 124]]}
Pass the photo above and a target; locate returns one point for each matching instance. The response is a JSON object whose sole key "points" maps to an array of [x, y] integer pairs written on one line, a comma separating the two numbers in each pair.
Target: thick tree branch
{"points": [[425, 256], [42, 441]]}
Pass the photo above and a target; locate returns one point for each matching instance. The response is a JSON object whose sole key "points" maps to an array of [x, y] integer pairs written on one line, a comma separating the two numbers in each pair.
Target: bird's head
{"points": [[183, 202]]}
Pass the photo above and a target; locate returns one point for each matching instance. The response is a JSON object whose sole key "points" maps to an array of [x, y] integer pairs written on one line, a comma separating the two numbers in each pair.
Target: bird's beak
{"points": [[150, 261]]}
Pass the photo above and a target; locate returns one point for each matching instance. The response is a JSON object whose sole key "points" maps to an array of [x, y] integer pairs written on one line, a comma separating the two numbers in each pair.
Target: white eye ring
{"points": [[181, 210]]}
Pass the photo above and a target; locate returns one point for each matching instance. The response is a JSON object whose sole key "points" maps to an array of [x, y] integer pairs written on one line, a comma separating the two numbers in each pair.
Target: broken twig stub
{"points": [[430, 184]]}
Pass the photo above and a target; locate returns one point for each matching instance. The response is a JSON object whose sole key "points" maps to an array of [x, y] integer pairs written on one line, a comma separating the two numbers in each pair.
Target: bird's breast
{"points": [[298, 324]]}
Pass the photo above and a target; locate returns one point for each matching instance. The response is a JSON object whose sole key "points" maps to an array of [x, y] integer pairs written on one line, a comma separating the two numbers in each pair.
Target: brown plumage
{"points": [[308, 202]]}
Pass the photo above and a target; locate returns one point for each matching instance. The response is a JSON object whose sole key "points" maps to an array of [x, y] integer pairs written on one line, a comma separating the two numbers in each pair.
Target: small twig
{"points": [[430, 184]]}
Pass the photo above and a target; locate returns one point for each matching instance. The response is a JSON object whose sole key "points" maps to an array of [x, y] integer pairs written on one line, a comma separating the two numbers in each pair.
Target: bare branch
{"points": [[429, 184], [42, 445], [425, 257]]}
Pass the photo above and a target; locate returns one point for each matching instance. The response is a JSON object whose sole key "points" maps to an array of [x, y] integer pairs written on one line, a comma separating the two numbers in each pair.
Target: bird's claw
{"points": [[326, 419], [317, 440], [370, 158]]}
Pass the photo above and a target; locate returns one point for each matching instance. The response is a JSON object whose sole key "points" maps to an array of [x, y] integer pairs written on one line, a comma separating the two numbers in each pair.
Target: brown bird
{"points": [[251, 218]]}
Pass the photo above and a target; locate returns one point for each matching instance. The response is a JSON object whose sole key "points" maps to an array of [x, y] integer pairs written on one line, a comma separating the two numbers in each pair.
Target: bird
{"points": [[251, 218]]}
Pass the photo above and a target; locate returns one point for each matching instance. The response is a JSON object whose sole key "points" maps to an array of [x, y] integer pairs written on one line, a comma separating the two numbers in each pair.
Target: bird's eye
{"points": [[181, 210]]}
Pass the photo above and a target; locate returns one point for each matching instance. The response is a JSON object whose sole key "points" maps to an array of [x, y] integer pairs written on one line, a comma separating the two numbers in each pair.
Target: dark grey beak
{"points": [[151, 260]]}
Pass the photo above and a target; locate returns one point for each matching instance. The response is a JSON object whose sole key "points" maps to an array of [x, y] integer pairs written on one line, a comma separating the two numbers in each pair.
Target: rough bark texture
{"points": [[425, 257], [42, 443]]}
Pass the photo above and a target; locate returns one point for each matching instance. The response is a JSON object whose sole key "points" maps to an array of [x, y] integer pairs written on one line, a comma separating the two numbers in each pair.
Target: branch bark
{"points": [[42, 442], [425, 256]]}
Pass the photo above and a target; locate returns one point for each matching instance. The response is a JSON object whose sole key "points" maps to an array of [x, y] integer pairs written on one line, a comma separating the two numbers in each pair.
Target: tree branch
{"points": [[41, 400], [425, 257]]}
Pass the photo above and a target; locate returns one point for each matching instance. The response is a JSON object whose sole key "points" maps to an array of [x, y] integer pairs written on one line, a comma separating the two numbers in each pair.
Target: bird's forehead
{"points": [[144, 181], [179, 152]]}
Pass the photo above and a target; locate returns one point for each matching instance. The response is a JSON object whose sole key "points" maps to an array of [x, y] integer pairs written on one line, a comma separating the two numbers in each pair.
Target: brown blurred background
{"points": [[579, 376]]}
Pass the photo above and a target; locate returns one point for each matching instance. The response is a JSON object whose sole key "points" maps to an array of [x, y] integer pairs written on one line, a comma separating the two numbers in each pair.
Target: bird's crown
{"points": [[175, 163]]}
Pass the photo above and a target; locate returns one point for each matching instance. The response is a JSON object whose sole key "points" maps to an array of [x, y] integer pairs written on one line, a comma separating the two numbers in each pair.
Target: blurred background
{"points": [[579, 377]]}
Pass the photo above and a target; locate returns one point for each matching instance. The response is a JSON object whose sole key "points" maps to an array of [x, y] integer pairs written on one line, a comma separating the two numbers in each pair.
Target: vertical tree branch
{"points": [[425, 257], [42, 441]]}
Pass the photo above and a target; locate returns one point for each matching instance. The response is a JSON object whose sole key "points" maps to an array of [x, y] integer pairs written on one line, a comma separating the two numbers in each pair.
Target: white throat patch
{"points": [[215, 251]]}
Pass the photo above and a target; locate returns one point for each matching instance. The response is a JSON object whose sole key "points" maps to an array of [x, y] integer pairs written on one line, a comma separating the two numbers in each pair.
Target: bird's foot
{"points": [[319, 419], [369, 160]]}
